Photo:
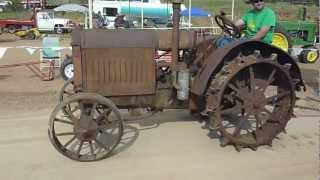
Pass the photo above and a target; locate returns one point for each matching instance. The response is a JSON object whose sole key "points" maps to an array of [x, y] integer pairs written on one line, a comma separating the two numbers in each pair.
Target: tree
{"points": [[15, 5]]}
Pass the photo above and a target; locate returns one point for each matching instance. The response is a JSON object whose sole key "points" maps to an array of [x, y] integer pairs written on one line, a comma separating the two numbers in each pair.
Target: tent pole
{"points": [[319, 23], [85, 21], [190, 13], [232, 11], [142, 14], [90, 14]]}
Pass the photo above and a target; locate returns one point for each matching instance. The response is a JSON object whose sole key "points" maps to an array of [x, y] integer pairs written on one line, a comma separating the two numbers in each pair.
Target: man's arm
{"points": [[262, 33]]}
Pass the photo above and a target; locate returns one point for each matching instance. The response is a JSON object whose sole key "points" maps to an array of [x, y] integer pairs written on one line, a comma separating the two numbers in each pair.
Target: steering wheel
{"points": [[227, 26]]}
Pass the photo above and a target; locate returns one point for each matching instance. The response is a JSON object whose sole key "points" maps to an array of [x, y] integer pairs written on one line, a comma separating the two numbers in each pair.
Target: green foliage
{"points": [[14, 15], [15, 5], [284, 11], [73, 16]]}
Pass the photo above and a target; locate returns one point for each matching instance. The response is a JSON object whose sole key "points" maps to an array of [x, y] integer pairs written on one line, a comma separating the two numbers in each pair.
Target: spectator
{"points": [[99, 20], [120, 22]]}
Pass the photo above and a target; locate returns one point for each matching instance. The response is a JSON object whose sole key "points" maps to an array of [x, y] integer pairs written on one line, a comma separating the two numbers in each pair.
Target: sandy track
{"points": [[178, 148]]}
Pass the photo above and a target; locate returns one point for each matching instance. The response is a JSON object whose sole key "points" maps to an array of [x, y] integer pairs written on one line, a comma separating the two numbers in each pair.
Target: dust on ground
{"points": [[177, 147]]}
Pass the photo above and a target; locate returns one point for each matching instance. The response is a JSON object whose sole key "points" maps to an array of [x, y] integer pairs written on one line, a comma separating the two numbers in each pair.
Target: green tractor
{"points": [[298, 38]]}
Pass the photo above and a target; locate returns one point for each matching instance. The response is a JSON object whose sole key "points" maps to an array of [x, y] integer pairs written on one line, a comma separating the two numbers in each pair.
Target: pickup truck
{"points": [[43, 20]]}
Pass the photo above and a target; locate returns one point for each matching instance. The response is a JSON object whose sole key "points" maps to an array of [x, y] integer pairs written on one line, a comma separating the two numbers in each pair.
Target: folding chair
{"points": [[50, 55]]}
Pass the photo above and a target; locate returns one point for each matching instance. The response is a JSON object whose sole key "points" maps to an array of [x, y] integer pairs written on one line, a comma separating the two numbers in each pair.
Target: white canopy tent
{"points": [[90, 3], [90, 13], [71, 8]]}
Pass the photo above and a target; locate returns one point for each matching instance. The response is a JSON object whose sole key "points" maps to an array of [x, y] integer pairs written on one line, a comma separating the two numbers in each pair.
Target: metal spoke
{"points": [[79, 148], [258, 120], [271, 77], [103, 115], [269, 81], [82, 109], [63, 121], [252, 83], [66, 134], [231, 86], [273, 99], [91, 148], [70, 113], [75, 109], [258, 123], [267, 111], [69, 142], [94, 107]]}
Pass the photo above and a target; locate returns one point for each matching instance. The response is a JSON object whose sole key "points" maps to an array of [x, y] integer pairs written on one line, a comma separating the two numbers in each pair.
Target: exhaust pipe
{"points": [[175, 32], [180, 75]]}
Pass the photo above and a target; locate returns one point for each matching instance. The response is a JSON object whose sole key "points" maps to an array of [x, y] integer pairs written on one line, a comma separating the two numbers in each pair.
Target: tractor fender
{"points": [[218, 58]]}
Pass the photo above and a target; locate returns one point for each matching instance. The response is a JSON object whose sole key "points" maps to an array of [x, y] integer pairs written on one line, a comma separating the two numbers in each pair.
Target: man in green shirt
{"points": [[259, 22]]}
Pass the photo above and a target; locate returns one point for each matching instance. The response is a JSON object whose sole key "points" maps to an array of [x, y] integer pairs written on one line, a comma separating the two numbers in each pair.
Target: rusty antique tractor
{"points": [[245, 89]]}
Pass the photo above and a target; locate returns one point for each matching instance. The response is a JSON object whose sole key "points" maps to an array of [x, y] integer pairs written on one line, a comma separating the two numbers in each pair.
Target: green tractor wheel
{"points": [[309, 55], [281, 39]]}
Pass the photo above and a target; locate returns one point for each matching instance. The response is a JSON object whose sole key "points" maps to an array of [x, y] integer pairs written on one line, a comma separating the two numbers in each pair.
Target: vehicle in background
{"points": [[298, 38], [46, 21], [14, 25], [154, 11], [42, 20]]}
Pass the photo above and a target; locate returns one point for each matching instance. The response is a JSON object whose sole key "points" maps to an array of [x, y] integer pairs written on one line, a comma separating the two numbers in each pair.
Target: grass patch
{"points": [[26, 15], [284, 11]]}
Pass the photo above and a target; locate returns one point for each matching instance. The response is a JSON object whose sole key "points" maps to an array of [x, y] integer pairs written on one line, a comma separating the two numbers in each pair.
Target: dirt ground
{"points": [[176, 147]]}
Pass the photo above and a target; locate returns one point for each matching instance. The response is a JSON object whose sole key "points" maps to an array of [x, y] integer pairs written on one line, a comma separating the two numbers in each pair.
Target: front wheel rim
{"points": [[90, 130]]}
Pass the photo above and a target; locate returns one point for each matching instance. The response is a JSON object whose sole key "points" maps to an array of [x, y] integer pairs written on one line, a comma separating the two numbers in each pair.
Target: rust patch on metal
{"points": [[119, 72]]}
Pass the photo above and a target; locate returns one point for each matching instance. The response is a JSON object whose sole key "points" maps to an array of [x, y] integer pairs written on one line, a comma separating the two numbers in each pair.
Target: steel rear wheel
{"points": [[252, 101], [90, 130]]}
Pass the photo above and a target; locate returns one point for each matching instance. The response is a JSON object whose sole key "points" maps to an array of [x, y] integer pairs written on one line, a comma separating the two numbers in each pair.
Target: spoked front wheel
{"points": [[86, 127]]}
